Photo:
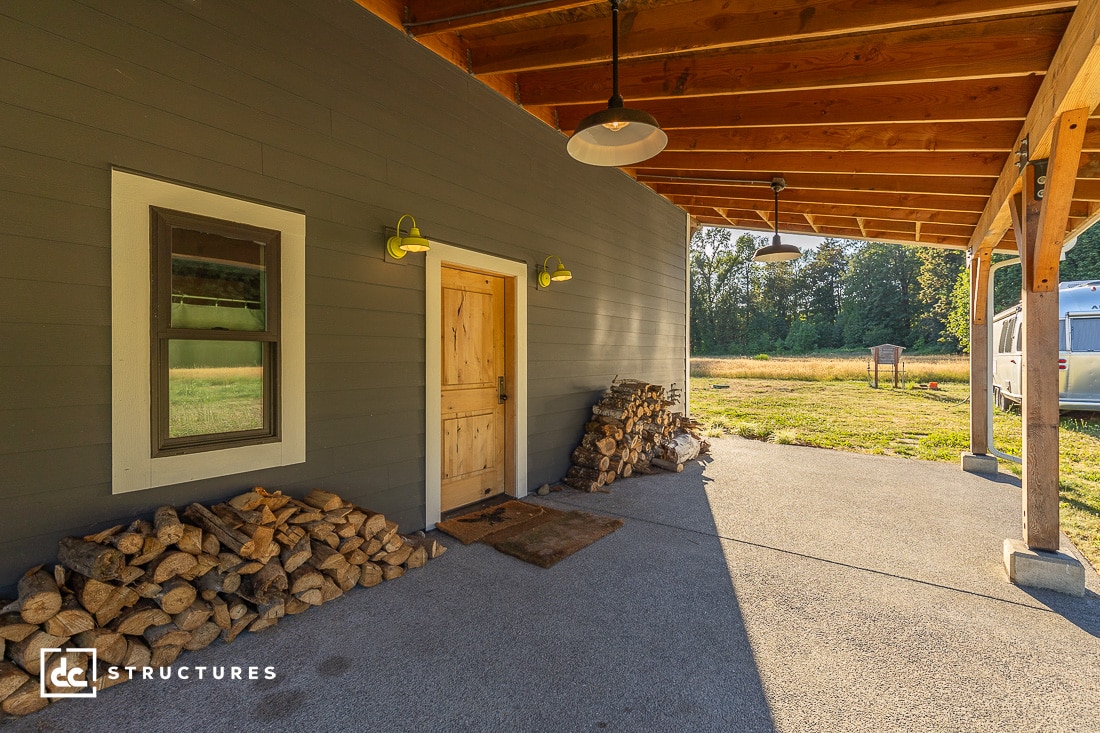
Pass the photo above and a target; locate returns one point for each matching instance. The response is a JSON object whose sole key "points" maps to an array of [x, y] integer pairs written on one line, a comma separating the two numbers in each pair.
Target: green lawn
{"points": [[930, 425], [204, 401]]}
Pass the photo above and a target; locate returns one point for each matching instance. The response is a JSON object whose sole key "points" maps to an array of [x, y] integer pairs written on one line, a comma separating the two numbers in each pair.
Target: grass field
{"points": [[203, 401], [846, 414]]}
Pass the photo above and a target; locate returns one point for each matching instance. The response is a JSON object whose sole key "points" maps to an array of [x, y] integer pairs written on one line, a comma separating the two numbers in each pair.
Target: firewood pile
{"points": [[142, 594], [633, 431]]}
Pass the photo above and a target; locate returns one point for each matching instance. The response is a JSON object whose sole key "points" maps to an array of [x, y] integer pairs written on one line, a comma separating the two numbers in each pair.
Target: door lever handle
{"points": [[501, 396]]}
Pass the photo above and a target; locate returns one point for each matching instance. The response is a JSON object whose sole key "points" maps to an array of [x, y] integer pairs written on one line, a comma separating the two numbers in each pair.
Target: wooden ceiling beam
{"points": [[968, 207], [998, 48], [1072, 82], [428, 17], [926, 164], [1007, 98], [715, 24], [900, 212], [940, 185], [902, 137]]}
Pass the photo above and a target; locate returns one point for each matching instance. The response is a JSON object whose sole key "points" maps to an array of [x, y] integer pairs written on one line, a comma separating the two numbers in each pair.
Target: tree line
{"points": [[843, 295]]}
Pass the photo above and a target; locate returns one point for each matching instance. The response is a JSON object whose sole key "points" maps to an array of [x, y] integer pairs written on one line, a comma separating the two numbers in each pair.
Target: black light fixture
{"points": [[617, 135], [777, 251]]}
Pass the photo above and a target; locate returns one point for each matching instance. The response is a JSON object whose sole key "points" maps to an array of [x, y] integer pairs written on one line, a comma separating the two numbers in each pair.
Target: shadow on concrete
{"points": [[641, 631]]}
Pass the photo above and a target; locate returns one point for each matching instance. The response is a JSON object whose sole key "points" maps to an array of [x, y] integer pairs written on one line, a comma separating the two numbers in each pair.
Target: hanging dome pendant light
{"points": [[777, 251], [617, 135]]}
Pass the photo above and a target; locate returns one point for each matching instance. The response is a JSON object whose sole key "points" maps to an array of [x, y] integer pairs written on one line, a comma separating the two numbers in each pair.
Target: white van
{"points": [[1078, 349]]}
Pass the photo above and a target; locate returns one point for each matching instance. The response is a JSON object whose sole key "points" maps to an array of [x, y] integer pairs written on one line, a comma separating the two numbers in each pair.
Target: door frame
{"points": [[515, 289]]}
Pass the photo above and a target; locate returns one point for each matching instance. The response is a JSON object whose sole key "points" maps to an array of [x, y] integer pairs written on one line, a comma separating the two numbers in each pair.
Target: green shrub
{"points": [[761, 357]]}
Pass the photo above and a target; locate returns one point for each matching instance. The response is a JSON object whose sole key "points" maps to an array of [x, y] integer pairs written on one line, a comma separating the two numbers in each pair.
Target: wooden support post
{"points": [[1040, 225], [980, 328]]}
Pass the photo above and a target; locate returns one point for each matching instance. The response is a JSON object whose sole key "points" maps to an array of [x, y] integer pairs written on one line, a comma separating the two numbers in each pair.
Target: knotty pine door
{"points": [[474, 431]]}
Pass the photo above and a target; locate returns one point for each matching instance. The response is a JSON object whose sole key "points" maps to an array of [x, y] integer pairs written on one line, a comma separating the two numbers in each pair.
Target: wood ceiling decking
{"points": [[892, 121]]}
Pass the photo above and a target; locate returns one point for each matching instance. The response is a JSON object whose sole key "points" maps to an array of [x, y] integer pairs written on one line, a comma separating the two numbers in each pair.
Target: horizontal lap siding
{"points": [[317, 106]]}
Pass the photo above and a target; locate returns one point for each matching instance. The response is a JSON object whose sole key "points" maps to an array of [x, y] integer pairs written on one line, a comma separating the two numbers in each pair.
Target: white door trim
{"points": [[436, 257]]}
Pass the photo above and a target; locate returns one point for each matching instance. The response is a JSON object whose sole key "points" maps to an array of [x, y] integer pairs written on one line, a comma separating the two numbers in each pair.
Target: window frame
{"points": [[134, 467], [163, 222]]}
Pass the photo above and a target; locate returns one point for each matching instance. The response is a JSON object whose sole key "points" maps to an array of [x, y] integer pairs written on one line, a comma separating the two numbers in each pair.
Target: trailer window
{"points": [[1062, 334], [1005, 345], [1084, 334]]}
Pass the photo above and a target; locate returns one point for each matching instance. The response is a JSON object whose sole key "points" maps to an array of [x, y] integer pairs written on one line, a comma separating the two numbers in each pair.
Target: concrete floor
{"points": [[770, 588]]}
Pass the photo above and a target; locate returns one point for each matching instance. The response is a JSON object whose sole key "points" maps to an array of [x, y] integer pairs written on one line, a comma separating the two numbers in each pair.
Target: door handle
{"points": [[501, 396]]}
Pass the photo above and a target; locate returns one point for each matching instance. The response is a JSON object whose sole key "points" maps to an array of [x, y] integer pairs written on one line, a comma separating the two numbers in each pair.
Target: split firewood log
{"points": [[11, 679], [590, 459], [392, 572], [110, 645], [194, 616], [312, 597], [397, 557], [295, 605], [27, 653], [164, 655], [387, 534], [210, 544], [14, 628], [305, 578], [581, 484], [151, 549], [39, 597], [373, 524], [120, 597], [239, 625], [667, 465], [165, 635], [135, 620], [137, 654], [601, 444], [324, 557], [176, 595], [216, 581], [70, 620], [172, 564], [203, 517], [370, 574], [203, 636], [25, 700], [190, 540], [586, 474], [418, 558], [433, 547], [167, 525], [130, 574], [323, 500], [219, 613], [330, 590], [296, 556]]}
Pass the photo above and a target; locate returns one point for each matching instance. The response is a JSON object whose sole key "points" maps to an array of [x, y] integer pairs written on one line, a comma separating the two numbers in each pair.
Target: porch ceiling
{"points": [[893, 121]]}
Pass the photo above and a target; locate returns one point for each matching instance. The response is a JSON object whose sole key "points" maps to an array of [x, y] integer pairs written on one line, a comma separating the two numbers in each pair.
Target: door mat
{"points": [[538, 535], [552, 536], [475, 525]]}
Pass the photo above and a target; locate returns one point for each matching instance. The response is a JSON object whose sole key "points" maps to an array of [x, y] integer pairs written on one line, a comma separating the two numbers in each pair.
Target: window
{"points": [[207, 334], [215, 333], [1005, 345], [1084, 334]]}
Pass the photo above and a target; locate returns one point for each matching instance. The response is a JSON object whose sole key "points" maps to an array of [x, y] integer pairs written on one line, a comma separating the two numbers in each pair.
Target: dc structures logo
{"points": [[58, 679]]}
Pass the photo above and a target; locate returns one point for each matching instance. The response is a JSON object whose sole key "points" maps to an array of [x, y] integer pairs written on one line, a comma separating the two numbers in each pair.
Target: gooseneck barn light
{"points": [[617, 135], [777, 251], [397, 246], [558, 275]]}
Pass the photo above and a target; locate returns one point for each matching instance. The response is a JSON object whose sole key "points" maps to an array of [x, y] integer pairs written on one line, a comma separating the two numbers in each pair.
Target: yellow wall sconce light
{"points": [[398, 246], [545, 276]]}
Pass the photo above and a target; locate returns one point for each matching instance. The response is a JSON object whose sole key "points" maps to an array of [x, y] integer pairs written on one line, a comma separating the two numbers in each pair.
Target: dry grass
{"points": [[849, 415], [829, 368]]}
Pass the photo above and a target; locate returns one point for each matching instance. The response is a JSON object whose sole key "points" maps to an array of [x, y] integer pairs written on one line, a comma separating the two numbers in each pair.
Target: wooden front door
{"points": [[474, 430]]}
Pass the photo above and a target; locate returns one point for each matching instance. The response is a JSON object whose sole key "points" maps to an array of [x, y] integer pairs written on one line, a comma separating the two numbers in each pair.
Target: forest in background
{"points": [[843, 295]]}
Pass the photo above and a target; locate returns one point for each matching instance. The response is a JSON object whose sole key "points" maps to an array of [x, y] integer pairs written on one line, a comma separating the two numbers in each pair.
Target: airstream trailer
{"points": [[1078, 349]]}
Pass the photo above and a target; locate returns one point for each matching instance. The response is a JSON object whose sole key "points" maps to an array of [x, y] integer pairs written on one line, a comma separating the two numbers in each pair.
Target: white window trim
{"points": [[132, 466]]}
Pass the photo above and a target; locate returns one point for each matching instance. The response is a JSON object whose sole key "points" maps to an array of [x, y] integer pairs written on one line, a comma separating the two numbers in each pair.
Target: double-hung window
{"points": [[215, 333]]}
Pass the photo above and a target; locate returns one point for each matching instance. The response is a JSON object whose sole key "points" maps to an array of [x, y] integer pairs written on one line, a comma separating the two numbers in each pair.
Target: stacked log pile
{"points": [[142, 594], [632, 431]]}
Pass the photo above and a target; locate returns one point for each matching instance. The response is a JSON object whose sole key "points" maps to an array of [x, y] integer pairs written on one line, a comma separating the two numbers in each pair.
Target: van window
{"points": [[1084, 334], [1006, 335]]}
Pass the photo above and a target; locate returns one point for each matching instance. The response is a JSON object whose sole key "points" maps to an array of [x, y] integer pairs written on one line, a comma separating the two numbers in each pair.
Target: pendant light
{"points": [[777, 251], [617, 135]]}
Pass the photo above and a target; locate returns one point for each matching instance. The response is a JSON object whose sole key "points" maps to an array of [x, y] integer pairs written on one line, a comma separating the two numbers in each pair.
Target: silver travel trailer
{"points": [[1078, 349]]}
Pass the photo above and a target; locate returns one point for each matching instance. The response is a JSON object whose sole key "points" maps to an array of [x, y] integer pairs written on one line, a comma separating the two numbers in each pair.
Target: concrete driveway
{"points": [[770, 588]]}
